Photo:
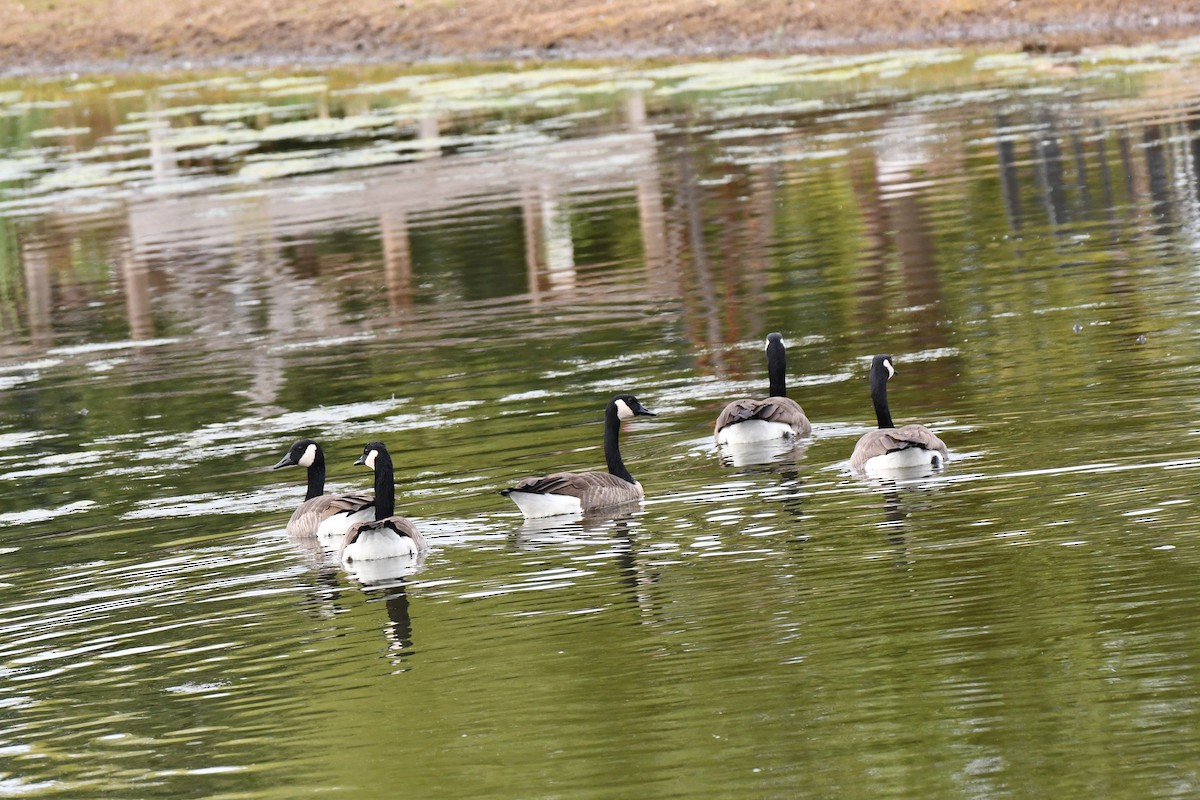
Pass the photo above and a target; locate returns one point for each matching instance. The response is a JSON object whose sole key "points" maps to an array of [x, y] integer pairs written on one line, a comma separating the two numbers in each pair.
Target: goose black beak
{"points": [[284, 462], [362, 461], [645, 412]]}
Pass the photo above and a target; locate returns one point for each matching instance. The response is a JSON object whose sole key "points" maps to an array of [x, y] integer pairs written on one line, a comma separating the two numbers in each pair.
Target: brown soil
{"points": [[56, 35]]}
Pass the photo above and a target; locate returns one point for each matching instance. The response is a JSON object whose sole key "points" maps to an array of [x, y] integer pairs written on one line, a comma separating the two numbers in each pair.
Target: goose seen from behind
{"points": [[583, 492], [387, 535], [773, 417], [322, 514], [890, 447]]}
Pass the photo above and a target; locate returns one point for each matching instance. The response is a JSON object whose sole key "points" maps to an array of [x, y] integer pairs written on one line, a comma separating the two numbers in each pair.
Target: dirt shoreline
{"points": [[56, 36]]}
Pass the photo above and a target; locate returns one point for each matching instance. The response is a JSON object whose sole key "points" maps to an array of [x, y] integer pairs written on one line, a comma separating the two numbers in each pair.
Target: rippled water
{"points": [[196, 272]]}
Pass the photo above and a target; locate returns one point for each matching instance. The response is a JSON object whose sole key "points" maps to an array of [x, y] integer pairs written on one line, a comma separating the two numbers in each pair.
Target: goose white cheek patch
{"points": [[370, 459], [891, 370], [310, 455], [623, 410]]}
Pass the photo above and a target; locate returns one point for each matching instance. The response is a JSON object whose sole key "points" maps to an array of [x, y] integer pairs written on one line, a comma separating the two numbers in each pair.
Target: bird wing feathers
{"points": [[398, 525], [886, 440], [783, 410], [309, 515], [594, 489]]}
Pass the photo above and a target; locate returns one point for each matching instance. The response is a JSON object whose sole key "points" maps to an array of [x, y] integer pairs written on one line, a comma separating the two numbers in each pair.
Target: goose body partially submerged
{"points": [[889, 447], [387, 535], [759, 420], [584, 492], [322, 514]]}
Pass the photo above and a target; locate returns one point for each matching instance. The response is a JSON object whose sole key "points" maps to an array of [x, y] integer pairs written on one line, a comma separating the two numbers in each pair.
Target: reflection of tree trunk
{"points": [[1006, 152], [163, 164], [267, 376], [635, 112], [559, 247], [532, 221], [1050, 170], [653, 225], [549, 248], [706, 341], [307, 258], [1156, 167], [914, 247], [1106, 200], [898, 165], [1126, 151], [871, 288], [39, 294], [429, 134], [137, 297], [1085, 194], [397, 258], [732, 267], [755, 252], [1193, 126], [651, 217]]}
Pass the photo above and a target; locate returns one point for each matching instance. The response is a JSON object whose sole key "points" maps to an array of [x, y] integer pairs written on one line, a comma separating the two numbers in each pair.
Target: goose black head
{"points": [[370, 454], [629, 407], [301, 454], [775, 339], [883, 364]]}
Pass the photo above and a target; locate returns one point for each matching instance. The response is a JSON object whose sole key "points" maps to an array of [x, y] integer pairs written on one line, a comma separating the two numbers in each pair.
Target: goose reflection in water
{"points": [[326, 595], [399, 630], [894, 515], [537, 530], [778, 458], [903, 497], [769, 452], [615, 527], [385, 572], [639, 579]]}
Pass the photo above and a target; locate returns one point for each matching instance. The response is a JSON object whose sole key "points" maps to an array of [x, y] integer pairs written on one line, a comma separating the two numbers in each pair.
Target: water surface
{"points": [[197, 270]]}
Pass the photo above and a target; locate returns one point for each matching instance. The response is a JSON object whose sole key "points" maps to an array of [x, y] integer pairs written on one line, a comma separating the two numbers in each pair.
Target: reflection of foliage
{"points": [[97, 134], [473, 259]]}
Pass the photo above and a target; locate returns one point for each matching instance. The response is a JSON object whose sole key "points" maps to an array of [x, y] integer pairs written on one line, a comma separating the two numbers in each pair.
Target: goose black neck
{"points": [[316, 476], [883, 414], [777, 369], [385, 486], [612, 450]]}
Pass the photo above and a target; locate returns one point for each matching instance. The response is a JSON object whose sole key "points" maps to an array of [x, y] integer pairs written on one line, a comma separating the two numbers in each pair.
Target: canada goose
{"points": [[890, 447], [320, 513], [387, 535], [773, 417], [581, 492]]}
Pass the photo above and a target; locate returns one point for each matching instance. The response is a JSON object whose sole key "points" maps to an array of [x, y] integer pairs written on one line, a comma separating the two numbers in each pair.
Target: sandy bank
{"points": [[57, 35]]}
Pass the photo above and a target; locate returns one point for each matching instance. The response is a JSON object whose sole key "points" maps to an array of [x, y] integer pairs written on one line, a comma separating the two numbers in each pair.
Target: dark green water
{"points": [[194, 273]]}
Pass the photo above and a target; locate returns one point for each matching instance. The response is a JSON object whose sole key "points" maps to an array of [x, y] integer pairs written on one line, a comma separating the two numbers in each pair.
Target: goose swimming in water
{"points": [[773, 417], [890, 447], [581, 492], [387, 535], [322, 514]]}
